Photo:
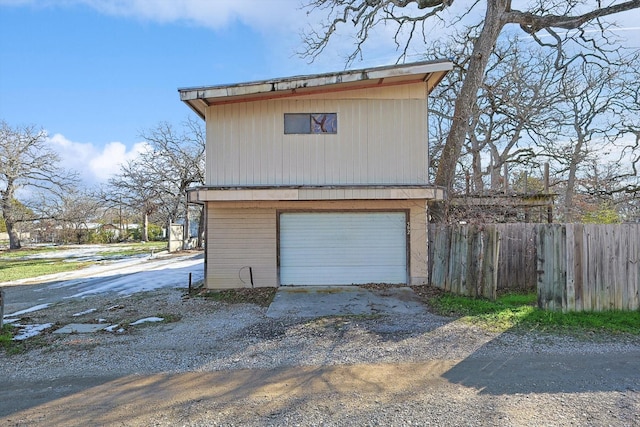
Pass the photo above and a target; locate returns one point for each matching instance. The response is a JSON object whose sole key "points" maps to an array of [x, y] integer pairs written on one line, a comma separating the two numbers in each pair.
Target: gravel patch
{"points": [[212, 338]]}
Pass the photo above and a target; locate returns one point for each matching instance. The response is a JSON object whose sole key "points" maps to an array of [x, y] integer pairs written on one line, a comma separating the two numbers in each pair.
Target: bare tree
{"points": [[156, 183], [515, 105], [628, 144], [73, 211], [529, 111], [596, 105], [517, 108], [411, 18], [134, 189], [27, 164]]}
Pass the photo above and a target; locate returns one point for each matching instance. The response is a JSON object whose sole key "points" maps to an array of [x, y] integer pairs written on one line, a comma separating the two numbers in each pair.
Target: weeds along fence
{"points": [[574, 267]]}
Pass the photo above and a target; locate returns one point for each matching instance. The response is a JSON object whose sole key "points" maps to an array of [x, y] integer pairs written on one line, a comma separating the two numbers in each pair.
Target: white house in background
{"points": [[319, 179]]}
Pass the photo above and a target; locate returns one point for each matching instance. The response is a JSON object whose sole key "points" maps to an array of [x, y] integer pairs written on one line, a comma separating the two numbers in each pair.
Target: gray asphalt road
{"points": [[531, 389]]}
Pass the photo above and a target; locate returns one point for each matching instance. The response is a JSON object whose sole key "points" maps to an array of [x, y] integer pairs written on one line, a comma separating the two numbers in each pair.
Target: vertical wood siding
{"points": [[379, 141]]}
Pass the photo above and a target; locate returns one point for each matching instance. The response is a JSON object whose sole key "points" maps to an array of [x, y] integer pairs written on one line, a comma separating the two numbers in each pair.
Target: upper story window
{"points": [[309, 123]]}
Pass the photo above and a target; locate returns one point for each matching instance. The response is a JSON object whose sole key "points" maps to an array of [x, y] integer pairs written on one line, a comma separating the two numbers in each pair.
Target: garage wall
{"points": [[243, 234], [238, 239], [418, 253]]}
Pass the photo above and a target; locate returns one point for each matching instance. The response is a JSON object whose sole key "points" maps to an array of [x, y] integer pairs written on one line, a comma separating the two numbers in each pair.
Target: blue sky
{"points": [[95, 73]]}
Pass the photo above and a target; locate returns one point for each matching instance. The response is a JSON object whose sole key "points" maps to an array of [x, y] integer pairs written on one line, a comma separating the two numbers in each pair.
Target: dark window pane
{"points": [[297, 123]]}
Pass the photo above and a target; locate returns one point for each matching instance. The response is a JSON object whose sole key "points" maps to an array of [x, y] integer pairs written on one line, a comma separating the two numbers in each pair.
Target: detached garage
{"points": [[318, 179], [338, 248]]}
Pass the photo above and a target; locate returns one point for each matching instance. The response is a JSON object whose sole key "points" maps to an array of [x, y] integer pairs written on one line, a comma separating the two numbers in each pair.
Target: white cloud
{"points": [[213, 14], [263, 14], [107, 163], [94, 164]]}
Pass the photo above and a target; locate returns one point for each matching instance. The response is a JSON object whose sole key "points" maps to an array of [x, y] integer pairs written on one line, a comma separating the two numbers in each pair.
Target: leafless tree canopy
{"points": [[156, 183], [563, 23], [582, 120], [28, 164]]}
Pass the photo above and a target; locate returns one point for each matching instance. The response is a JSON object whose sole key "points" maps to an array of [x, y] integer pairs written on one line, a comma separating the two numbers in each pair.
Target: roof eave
{"points": [[432, 72]]}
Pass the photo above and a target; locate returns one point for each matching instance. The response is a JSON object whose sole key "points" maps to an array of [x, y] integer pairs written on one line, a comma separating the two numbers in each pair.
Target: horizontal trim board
{"points": [[309, 193]]}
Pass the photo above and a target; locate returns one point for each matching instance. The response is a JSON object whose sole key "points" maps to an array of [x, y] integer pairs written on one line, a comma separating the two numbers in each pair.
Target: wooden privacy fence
{"points": [[589, 267], [517, 264], [575, 267], [464, 259]]}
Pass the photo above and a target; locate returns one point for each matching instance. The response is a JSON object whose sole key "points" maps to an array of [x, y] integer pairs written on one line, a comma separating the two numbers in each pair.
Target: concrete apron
{"points": [[320, 301]]}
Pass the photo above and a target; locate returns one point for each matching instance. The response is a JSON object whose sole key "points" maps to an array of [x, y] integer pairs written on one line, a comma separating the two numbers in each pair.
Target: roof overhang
{"points": [[431, 72]]}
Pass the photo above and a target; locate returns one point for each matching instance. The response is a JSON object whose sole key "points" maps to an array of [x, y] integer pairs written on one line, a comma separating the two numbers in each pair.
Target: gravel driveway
{"points": [[221, 364]]}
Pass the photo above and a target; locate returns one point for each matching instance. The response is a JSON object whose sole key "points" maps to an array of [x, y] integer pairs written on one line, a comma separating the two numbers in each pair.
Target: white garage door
{"points": [[343, 248]]}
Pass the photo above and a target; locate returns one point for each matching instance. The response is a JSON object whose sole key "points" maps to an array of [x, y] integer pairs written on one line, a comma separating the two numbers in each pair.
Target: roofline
{"points": [[372, 73], [200, 97]]}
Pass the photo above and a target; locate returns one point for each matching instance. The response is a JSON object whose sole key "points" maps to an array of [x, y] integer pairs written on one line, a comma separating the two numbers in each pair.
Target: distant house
{"points": [[114, 229], [319, 179]]}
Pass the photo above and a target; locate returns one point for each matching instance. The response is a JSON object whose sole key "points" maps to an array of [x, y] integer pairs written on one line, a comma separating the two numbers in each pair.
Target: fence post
{"points": [[1, 306]]}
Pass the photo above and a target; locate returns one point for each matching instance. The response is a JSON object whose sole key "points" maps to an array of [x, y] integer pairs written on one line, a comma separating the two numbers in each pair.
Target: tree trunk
{"points": [[493, 24], [201, 226], [14, 238], [145, 227], [571, 182], [187, 232], [478, 183], [9, 218]]}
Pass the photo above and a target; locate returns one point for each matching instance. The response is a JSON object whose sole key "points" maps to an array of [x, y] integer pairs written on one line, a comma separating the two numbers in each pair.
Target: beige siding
{"points": [[379, 141], [418, 253], [243, 234], [404, 91], [238, 239]]}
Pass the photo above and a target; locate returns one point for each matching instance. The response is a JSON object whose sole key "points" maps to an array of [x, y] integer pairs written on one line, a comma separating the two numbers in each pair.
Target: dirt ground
{"points": [[215, 363]]}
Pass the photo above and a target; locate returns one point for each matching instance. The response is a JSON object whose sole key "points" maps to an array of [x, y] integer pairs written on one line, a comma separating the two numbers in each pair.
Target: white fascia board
{"points": [[249, 89], [410, 69], [313, 81]]}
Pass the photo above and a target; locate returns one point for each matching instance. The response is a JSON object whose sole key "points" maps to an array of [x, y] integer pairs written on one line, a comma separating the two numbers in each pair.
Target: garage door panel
{"points": [[342, 248], [342, 258], [361, 275]]}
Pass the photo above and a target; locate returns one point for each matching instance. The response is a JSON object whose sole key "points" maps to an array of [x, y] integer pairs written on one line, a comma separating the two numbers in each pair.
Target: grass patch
{"points": [[6, 336], [15, 265], [15, 269], [258, 296], [10, 347], [135, 249], [519, 311], [24, 252]]}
